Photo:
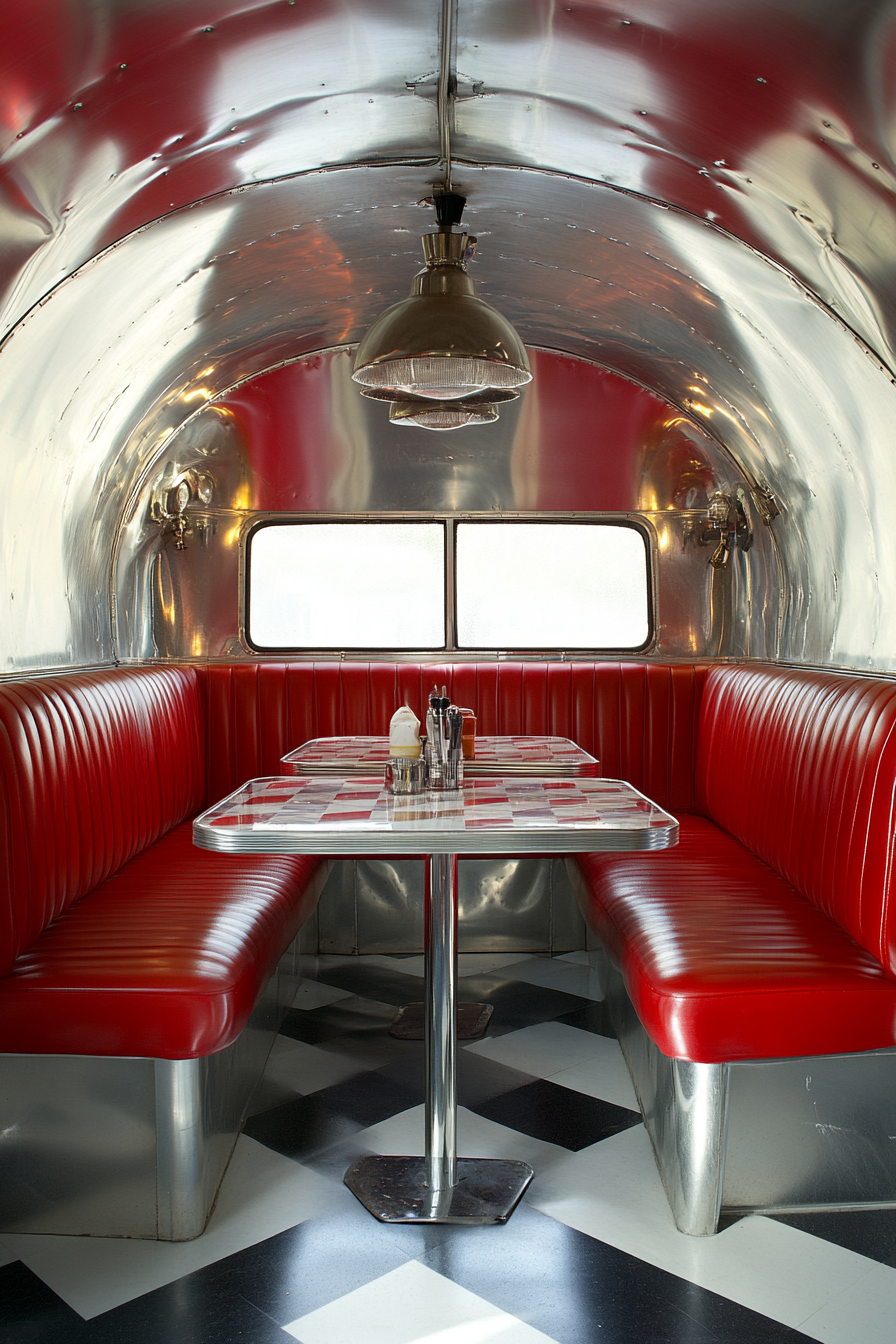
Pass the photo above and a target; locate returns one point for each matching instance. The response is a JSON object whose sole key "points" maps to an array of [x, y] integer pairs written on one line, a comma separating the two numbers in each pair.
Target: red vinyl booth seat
{"points": [[165, 960], [769, 931], [723, 960], [117, 936]]}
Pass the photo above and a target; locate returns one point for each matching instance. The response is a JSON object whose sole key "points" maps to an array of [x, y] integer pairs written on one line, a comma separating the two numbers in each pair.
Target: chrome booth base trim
{"points": [[761, 1136], [126, 1147]]}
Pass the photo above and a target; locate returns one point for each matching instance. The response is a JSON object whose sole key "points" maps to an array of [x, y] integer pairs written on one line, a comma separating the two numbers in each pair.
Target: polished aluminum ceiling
{"points": [[697, 194]]}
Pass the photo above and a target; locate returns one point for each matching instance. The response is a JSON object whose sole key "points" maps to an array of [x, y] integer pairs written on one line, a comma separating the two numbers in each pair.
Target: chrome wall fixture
{"points": [[170, 503], [725, 527], [443, 357]]}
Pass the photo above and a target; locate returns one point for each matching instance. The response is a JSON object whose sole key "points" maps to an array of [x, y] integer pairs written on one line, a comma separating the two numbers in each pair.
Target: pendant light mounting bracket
{"points": [[449, 207]]}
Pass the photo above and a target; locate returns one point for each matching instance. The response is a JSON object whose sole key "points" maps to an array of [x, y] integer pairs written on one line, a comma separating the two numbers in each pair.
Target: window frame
{"points": [[449, 520]]}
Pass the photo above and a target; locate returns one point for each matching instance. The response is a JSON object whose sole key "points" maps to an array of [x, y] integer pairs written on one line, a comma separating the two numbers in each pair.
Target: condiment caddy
{"points": [[436, 761]]}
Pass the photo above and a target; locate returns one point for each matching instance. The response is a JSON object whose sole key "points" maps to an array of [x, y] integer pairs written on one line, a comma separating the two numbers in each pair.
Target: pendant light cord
{"points": [[447, 85]]}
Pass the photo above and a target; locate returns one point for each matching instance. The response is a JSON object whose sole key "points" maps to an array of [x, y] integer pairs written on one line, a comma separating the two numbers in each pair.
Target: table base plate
{"points": [[394, 1190], [472, 1020]]}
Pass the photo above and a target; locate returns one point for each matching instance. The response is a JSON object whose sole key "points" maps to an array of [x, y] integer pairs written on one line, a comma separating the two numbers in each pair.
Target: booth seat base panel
{"points": [[375, 905], [128, 1147], [761, 1136]]}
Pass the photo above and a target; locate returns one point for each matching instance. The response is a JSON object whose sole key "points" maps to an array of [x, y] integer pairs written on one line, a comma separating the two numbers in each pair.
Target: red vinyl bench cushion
{"points": [[94, 767], [800, 766], [638, 719], [165, 959], [724, 960], [769, 932], [117, 936]]}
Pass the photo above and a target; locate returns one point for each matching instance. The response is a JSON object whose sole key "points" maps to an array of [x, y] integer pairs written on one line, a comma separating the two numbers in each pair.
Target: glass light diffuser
{"points": [[480, 409], [442, 342], [347, 586], [442, 415], [552, 586]]}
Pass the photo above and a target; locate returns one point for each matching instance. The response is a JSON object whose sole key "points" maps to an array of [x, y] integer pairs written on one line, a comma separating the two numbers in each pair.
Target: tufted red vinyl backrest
{"points": [[93, 768], [639, 719], [801, 767]]}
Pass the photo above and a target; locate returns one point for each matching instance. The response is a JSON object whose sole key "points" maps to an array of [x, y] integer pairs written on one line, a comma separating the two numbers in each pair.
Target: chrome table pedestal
{"points": [[440, 1187]]}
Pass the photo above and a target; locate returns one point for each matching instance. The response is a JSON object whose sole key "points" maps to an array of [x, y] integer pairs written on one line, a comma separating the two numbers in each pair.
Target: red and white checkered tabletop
{"points": [[495, 756], [359, 816]]}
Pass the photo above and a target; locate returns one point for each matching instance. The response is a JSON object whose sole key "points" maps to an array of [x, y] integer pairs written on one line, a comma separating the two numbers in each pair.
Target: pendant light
{"points": [[443, 357], [442, 342]]}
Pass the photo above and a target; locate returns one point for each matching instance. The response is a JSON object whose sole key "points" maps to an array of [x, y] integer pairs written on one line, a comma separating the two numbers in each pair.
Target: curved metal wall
{"points": [[733, 251], [302, 439]]}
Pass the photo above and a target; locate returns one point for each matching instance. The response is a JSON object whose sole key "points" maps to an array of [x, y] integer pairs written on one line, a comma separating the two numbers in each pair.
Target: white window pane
{"points": [[347, 585], [551, 585]]}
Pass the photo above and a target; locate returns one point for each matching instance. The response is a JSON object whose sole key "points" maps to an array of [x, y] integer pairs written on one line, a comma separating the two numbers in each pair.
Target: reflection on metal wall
{"points": [[509, 905], [677, 186], [302, 439], [95, 382], [772, 119]]}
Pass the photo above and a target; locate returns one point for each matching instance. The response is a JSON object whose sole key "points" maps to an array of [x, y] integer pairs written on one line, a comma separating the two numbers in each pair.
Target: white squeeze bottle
{"points": [[404, 733]]}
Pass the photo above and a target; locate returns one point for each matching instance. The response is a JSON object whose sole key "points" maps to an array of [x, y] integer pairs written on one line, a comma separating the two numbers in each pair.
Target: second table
{"points": [[501, 756]]}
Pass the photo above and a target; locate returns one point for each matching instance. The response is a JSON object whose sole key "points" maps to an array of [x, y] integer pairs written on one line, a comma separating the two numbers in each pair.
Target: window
{"points": [[513, 585], [551, 586], [347, 586]]}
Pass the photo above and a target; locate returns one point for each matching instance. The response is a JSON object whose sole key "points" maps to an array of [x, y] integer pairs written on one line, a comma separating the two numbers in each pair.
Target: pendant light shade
{"points": [[442, 343]]}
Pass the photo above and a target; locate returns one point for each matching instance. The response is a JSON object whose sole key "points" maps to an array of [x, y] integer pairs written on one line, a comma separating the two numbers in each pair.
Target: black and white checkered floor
{"points": [[591, 1253]]}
